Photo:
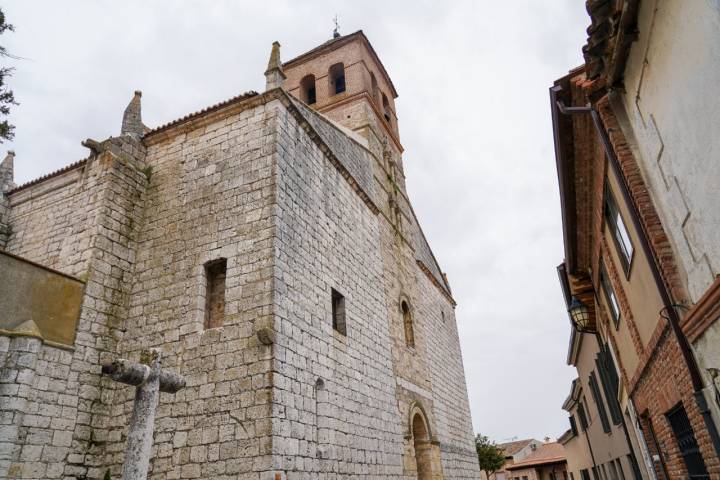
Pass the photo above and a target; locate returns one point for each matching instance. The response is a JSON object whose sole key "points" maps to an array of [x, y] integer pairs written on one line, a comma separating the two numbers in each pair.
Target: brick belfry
{"points": [[267, 247]]}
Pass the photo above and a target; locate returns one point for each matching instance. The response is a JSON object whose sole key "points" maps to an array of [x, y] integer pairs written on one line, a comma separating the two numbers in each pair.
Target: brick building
{"points": [[633, 149], [268, 247]]}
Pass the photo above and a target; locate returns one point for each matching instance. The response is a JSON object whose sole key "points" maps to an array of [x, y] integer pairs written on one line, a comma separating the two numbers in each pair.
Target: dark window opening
{"points": [[215, 272], [338, 312], [386, 107], [307, 89], [597, 397], [687, 443], [374, 87], [619, 231], [573, 425], [408, 324], [584, 474], [337, 78]]}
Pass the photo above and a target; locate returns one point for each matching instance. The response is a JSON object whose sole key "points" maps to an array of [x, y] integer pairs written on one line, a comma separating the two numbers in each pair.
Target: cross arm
{"points": [[136, 374]]}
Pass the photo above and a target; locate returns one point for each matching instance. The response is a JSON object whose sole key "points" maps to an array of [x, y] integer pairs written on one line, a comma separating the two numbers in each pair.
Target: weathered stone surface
{"points": [[296, 208]]}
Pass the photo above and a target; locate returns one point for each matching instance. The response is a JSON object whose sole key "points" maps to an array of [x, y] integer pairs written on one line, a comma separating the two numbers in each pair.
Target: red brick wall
{"points": [[663, 378]]}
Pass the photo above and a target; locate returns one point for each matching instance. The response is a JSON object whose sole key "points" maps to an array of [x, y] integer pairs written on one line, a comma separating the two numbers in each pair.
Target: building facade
{"points": [[545, 462], [597, 444], [634, 149], [266, 245], [514, 452]]}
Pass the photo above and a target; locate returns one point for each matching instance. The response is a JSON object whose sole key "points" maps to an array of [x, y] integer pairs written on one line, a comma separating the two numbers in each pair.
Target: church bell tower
{"points": [[344, 80]]}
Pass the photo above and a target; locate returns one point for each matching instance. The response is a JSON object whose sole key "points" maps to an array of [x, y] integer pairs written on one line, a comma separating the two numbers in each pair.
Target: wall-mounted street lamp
{"points": [[580, 316]]}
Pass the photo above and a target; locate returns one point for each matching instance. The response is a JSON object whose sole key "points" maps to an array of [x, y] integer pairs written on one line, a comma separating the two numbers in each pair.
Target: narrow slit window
{"points": [[408, 324], [619, 230], [338, 312], [386, 108], [374, 87], [337, 78], [215, 273]]}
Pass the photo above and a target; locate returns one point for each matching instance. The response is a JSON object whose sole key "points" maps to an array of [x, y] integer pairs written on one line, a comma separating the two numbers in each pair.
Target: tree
{"points": [[6, 95], [490, 456]]}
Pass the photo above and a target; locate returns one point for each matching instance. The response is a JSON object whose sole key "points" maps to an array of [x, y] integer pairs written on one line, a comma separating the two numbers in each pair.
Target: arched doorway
{"points": [[423, 447]]}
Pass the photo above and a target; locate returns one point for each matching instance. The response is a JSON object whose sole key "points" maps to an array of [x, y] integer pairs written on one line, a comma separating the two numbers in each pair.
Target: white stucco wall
{"points": [[673, 110]]}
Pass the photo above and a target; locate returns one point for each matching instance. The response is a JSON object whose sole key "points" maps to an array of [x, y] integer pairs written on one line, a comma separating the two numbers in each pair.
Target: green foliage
{"points": [[490, 456], [7, 98], [107, 475]]}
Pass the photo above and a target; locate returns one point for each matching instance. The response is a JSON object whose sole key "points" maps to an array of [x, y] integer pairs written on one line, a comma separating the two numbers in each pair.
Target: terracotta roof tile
{"points": [[546, 453], [64, 169], [211, 108], [511, 448]]}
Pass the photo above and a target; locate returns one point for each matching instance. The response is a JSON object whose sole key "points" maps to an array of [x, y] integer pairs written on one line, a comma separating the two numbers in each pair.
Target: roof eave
{"points": [[563, 164]]}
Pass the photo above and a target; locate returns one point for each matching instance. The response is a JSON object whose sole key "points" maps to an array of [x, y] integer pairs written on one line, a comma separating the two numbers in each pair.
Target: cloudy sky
{"points": [[473, 79]]}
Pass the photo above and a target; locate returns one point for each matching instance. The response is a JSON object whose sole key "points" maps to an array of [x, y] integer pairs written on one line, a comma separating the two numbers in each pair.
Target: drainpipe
{"points": [[668, 305]]}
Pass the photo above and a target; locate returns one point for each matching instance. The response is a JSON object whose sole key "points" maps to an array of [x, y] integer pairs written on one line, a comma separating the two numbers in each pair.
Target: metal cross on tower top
{"points": [[336, 34]]}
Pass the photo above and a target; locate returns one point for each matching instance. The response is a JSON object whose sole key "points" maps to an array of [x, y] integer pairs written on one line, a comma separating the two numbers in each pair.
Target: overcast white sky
{"points": [[473, 79]]}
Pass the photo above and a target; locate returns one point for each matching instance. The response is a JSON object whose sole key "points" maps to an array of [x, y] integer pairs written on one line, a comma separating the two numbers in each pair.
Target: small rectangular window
{"points": [[687, 442], [215, 272], [619, 231], [573, 425], [610, 297], [338, 312]]}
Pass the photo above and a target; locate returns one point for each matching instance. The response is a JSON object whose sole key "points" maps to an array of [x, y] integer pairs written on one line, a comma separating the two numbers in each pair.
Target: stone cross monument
{"points": [[150, 380]]}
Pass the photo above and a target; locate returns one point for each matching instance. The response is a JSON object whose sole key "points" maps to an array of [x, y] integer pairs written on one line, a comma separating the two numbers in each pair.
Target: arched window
{"points": [[307, 89], [337, 78], [386, 108], [374, 86], [408, 324]]}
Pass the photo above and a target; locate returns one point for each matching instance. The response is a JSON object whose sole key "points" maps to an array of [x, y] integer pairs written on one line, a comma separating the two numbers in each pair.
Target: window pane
{"points": [[624, 237]]}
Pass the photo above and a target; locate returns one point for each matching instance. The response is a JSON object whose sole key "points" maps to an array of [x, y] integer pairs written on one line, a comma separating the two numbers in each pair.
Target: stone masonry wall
{"points": [[253, 187], [211, 196], [82, 223], [328, 239], [336, 414]]}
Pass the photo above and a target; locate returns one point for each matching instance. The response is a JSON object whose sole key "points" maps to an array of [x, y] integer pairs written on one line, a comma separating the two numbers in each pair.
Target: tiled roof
{"points": [[612, 30], [209, 109], [511, 448], [67, 168], [544, 454]]}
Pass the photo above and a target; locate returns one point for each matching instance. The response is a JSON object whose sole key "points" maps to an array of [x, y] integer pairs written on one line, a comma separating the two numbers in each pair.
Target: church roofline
{"points": [[48, 176], [200, 113], [342, 40]]}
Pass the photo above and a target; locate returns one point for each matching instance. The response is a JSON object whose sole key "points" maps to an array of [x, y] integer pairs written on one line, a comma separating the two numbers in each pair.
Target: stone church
{"points": [[267, 247]]}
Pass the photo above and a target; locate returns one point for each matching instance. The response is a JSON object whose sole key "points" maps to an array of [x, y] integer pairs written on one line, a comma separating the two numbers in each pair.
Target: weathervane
{"points": [[336, 34]]}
